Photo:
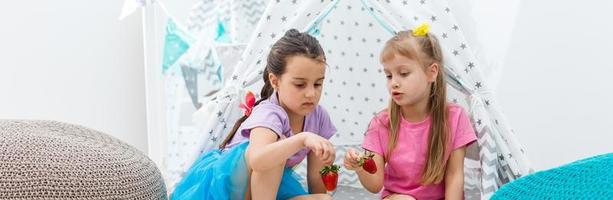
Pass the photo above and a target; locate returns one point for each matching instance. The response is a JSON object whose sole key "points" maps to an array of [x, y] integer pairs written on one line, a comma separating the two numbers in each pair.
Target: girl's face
{"points": [[299, 88], [407, 81]]}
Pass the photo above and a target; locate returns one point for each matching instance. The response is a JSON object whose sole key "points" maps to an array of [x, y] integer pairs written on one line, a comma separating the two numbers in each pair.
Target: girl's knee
{"points": [[274, 169], [323, 197], [313, 197], [399, 197]]}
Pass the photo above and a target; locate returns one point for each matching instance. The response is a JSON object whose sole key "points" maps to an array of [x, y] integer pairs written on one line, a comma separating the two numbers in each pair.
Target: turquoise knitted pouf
{"points": [[590, 178]]}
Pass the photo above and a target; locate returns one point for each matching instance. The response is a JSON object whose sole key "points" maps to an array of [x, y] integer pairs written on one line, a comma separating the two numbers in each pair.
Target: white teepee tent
{"points": [[352, 32]]}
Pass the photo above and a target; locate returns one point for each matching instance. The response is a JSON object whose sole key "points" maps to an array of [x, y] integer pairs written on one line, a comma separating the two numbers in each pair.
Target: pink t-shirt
{"points": [[405, 166]]}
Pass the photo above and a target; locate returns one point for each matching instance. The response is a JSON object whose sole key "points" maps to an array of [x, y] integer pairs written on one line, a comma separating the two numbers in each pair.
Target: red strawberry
{"points": [[329, 175], [368, 163]]}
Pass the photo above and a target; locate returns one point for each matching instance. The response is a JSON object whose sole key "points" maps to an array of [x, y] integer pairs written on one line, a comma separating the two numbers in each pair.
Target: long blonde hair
{"points": [[426, 50]]}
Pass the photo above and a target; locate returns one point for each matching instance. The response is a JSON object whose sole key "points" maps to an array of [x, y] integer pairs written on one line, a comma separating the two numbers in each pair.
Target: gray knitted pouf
{"points": [[54, 160]]}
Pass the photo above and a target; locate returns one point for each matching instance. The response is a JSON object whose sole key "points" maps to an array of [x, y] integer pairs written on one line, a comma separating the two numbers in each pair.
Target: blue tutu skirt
{"points": [[223, 175]]}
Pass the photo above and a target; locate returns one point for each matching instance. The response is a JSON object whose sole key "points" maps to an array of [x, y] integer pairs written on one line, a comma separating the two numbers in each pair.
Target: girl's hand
{"points": [[322, 147], [352, 159]]}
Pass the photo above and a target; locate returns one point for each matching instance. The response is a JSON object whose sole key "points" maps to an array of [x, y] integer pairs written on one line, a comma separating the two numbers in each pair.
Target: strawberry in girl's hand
{"points": [[367, 163], [329, 175]]}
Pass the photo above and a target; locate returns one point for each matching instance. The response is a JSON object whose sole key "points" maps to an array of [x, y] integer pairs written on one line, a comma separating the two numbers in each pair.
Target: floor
{"points": [[346, 192]]}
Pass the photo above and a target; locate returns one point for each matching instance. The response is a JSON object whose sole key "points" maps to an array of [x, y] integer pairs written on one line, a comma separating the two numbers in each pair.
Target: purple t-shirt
{"points": [[269, 114]]}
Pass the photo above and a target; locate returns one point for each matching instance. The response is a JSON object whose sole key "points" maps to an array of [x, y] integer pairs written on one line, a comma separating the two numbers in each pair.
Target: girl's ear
{"points": [[274, 81], [432, 72]]}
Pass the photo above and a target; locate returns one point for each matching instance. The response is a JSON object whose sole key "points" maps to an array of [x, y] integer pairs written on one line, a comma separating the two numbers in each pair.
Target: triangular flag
{"points": [[222, 35], [176, 43], [129, 6]]}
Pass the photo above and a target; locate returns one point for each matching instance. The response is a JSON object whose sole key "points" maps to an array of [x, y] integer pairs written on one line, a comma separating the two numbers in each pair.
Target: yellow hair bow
{"points": [[421, 30]]}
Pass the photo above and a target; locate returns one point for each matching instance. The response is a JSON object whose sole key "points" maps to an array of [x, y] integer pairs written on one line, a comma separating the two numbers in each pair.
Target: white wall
{"points": [[73, 61], [556, 86]]}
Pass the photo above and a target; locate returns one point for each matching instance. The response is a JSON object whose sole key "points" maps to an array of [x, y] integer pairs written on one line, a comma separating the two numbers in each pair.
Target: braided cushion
{"points": [[590, 178], [53, 160]]}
